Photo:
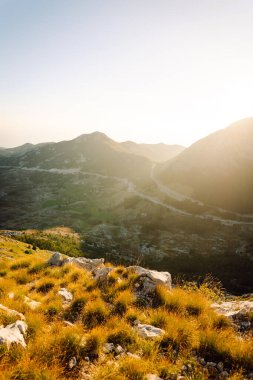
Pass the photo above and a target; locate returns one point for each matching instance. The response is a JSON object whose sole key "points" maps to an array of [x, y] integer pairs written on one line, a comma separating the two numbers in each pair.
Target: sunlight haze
{"points": [[148, 71]]}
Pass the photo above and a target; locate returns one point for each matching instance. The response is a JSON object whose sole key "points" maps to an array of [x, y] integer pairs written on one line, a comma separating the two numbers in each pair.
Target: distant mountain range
{"points": [[217, 169], [91, 152]]}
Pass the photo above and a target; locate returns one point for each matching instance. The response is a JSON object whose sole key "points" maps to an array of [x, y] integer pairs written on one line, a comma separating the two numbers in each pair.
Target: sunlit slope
{"points": [[93, 152], [217, 169], [154, 152]]}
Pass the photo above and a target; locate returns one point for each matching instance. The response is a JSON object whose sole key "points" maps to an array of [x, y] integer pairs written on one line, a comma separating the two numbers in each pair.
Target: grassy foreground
{"points": [[59, 331]]}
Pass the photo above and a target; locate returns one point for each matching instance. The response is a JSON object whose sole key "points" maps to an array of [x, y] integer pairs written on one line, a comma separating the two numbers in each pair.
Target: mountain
{"points": [[154, 152], [20, 150], [93, 152], [217, 170]]}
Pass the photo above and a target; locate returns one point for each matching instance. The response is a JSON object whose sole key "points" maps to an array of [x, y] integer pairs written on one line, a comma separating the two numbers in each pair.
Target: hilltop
{"points": [[76, 318]]}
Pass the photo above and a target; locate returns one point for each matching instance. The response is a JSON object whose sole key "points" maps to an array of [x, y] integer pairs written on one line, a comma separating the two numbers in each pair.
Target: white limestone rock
{"points": [[148, 331], [65, 294], [13, 334]]}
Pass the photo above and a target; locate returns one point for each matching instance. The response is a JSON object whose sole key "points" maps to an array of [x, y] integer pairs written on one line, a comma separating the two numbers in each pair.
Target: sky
{"points": [[151, 71]]}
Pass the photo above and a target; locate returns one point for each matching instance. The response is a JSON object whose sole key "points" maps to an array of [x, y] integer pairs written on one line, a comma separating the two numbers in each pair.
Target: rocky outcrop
{"points": [[90, 265], [13, 334], [148, 331], [145, 282], [237, 311]]}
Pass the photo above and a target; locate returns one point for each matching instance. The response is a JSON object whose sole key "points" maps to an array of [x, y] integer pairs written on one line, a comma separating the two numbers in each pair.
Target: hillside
{"points": [[154, 152], [65, 318], [216, 170], [94, 152]]}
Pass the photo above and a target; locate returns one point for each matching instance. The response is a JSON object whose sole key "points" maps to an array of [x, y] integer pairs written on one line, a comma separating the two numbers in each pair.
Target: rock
{"points": [[154, 277], [56, 260], [82, 262], [31, 303], [202, 361], [101, 274], [69, 324], [148, 331], [13, 334], [146, 283], [12, 312], [234, 309], [119, 350], [108, 348], [72, 363], [134, 356], [220, 366], [65, 294], [210, 364], [212, 370], [152, 377], [89, 264]]}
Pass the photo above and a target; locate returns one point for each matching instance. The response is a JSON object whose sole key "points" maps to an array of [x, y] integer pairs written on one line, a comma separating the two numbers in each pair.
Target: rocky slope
{"points": [[78, 318]]}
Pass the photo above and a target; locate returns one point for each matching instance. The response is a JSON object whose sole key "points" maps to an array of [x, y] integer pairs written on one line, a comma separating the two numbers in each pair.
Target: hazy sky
{"points": [[146, 70]]}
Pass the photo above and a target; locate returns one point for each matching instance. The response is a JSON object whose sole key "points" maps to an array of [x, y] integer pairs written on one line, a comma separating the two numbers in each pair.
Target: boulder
{"points": [[147, 281], [101, 274], [56, 260], [148, 331], [65, 294], [13, 334]]}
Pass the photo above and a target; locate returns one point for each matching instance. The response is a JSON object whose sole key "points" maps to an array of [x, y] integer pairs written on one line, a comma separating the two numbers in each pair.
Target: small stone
{"points": [[202, 362], [220, 366], [213, 371], [134, 356], [65, 294], [148, 331], [184, 368], [87, 359], [67, 323], [108, 348], [119, 350], [72, 362], [152, 377], [211, 364]]}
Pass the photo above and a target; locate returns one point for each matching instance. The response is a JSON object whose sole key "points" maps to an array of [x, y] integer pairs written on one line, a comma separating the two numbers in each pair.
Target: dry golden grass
{"points": [[106, 315]]}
